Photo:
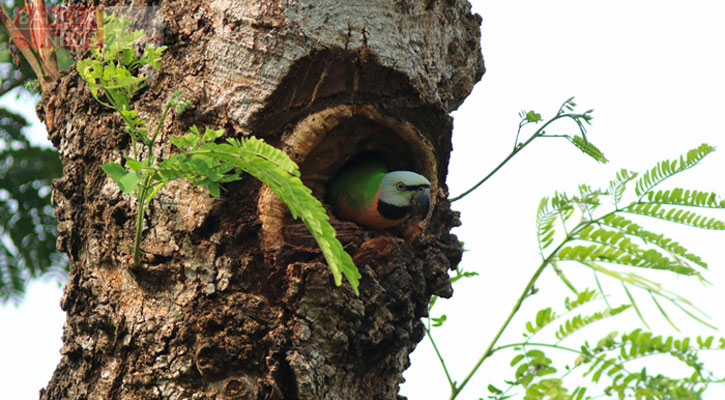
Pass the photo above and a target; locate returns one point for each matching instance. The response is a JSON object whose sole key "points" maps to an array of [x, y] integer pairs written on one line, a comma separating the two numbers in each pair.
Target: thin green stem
{"points": [[440, 358], [141, 203], [457, 389], [490, 174], [523, 122], [554, 346], [539, 132], [599, 286], [489, 351], [145, 188], [158, 129]]}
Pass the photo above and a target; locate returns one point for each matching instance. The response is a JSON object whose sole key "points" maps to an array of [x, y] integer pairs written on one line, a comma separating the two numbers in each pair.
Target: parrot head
{"points": [[403, 194]]}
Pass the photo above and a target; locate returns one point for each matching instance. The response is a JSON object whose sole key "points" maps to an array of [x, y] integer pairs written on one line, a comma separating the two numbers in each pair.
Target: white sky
{"points": [[652, 71]]}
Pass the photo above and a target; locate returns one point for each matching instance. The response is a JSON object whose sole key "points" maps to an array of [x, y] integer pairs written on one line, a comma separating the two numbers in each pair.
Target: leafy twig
{"points": [[565, 111]]}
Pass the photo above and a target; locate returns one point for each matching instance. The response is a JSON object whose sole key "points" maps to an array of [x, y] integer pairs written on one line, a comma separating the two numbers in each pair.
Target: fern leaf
{"points": [[582, 298], [545, 224], [675, 214], [686, 197], [587, 148], [678, 251], [259, 148], [667, 168], [692, 315], [616, 247], [578, 322], [634, 280], [618, 185], [543, 318], [272, 166]]}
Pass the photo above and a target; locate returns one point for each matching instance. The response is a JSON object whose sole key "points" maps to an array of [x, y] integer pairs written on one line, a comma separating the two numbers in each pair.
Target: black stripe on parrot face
{"points": [[390, 211], [414, 188]]}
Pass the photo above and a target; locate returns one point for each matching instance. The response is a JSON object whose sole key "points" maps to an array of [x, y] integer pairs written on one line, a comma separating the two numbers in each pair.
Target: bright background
{"points": [[654, 73]]}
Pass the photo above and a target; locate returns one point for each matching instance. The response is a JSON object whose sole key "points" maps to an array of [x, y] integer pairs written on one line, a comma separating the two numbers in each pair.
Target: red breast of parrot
{"points": [[365, 192]]}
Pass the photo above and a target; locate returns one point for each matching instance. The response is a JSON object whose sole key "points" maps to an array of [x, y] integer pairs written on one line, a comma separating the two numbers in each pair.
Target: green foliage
{"points": [[545, 223], [573, 230], [658, 210], [582, 121], [587, 148], [546, 316], [530, 116], [607, 363], [208, 163], [578, 322], [543, 318], [565, 112], [618, 185], [668, 168], [614, 239], [27, 221], [110, 73], [612, 355]]}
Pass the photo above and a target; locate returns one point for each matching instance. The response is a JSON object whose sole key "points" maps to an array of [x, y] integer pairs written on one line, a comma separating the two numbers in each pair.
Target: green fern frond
{"points": [[587, 148], [545, 224], [543, 318], [273, 168], [632, 279], [588, 200], [686, 197], [578, 322], [675, 249], [692, 314], [583, 297], [612, 355], [535, 365], [616, 247], [667, 168], [675, 214], [561, 202], [618, 185], [259, 148]]}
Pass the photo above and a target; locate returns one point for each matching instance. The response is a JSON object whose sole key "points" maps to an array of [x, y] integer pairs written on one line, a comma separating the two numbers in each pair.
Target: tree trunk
{"points": [[235, 300]]}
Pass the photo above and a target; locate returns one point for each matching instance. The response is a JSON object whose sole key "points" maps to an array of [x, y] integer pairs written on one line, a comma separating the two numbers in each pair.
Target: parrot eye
{"points": [[400, 186]]}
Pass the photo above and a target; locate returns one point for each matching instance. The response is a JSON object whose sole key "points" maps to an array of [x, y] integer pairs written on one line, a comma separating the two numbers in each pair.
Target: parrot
{"points": [[364, 191]]}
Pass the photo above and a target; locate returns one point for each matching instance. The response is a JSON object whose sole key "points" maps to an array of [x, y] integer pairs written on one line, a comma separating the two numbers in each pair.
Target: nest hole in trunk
{"points": [[322, 144]]}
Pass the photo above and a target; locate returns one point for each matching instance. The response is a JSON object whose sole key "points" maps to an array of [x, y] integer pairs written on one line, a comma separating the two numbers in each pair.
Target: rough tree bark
{"points": [[235, 300]]}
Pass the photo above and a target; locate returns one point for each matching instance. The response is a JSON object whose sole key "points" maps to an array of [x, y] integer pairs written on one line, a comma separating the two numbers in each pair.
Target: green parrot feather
{"points": [[365, 192], [357, 184]]}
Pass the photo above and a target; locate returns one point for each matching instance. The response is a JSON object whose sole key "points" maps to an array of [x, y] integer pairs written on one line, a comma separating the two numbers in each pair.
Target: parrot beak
{"points": [[420, 203]]}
